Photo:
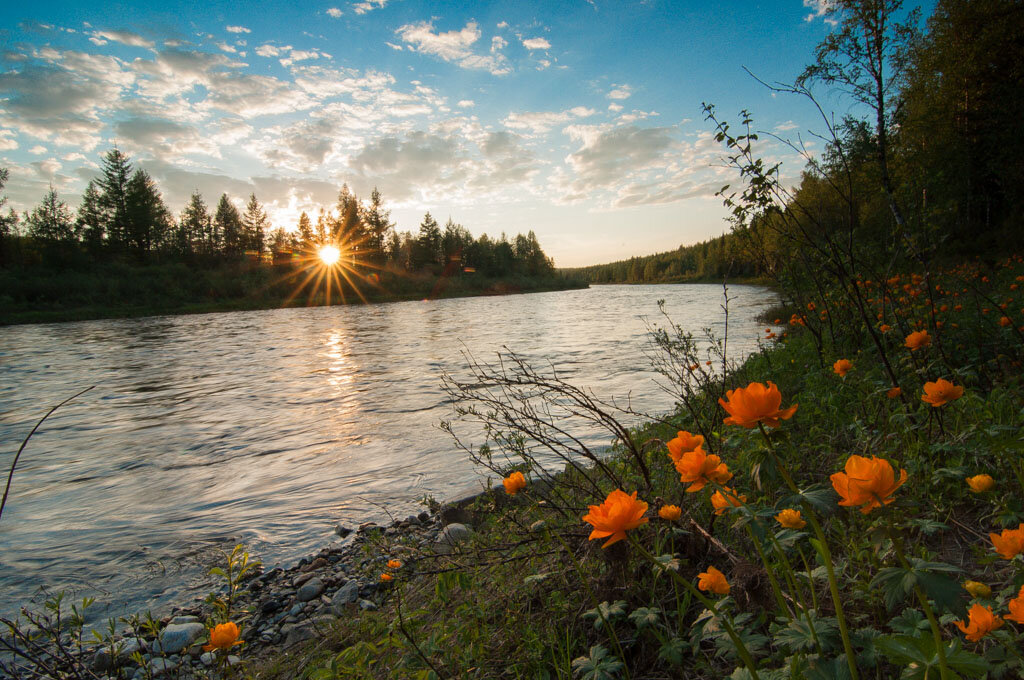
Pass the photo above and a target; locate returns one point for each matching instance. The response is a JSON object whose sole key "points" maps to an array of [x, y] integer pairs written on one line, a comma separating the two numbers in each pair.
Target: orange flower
{"points": [[842, 367], [1004, 321], [941, 392], [981, 483], [894, 392], [223, 636], [670, 512], [917, 340], [713, 581], [619, 513], [1016, 606], [1009, 543], [696, 468], [514, 483], [868, 482], [884, 328], [981, 622], [721, 502], [683, 442], [394, 564], [755, 403], [791, 519], [386, 577]]}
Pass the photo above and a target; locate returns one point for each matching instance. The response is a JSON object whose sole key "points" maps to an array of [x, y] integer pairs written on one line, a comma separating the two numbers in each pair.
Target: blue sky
{"points": [[579, 119]]}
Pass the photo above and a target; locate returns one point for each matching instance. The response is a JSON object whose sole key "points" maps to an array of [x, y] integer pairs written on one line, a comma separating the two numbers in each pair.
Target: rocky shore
{"points": [[282, 607]]}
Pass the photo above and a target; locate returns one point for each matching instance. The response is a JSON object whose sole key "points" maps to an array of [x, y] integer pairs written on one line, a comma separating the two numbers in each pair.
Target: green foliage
{"points": [[599, 665]]}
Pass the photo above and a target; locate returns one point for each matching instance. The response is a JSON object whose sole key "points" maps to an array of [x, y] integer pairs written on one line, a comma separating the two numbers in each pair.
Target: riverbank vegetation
{"points": [[124, 254]]}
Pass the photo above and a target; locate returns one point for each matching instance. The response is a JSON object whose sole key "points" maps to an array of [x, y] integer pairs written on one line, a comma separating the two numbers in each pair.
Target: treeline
{"points": [[939, 145], [714, 259], [122, 217]]}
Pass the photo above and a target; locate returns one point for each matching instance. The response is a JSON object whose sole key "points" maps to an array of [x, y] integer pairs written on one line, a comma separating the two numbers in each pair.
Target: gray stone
{"points": [[177, 620], [366, 605], [451, 536], [310, 590], [346, 594], [101, 661], [177, 636], [306, 630], [161, 665], [342, 530], [537, 526], [270, 606], [207, 658]]}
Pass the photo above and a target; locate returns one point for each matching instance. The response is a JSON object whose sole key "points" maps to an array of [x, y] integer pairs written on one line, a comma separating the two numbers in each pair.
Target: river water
{"points": [[270, 427]]}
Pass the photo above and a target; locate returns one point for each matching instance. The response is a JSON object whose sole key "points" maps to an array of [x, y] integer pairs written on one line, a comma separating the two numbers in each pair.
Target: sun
{"points": [[329, 255]]}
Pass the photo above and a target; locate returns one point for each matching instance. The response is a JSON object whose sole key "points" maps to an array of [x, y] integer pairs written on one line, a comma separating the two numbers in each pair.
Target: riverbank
{"points": [[125, 291]]}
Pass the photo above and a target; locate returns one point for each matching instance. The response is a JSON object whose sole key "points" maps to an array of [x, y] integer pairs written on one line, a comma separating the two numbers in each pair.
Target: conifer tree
{"points": [[305, 232], [51, 220], [378, 225], [193, 226], [92, 218], [255, 225], [113, 182], [228, 223], [149, 221]]}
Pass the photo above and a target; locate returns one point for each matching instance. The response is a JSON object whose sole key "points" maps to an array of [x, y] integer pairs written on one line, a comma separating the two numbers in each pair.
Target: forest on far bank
{"points": [[952, 108]]}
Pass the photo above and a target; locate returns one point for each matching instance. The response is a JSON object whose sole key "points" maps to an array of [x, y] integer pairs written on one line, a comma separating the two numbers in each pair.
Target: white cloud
{"points": [[125, 37], [6, 143], [614, 108], [820, 9], [536, 44], [334, 12], [268, 50], [237, 29], [37, 150], [161, 138], [453, 46], [224, 47], [466, 103], [620, 92], [786, 126], [498, 43], [540, 122], [368, 6], [394, 46]]}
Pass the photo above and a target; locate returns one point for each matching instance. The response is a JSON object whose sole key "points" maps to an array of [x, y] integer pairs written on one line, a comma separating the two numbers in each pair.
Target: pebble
{"points": [[177, 636]]}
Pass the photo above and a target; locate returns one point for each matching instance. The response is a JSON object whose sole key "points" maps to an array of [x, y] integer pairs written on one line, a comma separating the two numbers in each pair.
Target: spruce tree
{"points": [[228, 223], [255, 225], [149, 221], [193, 226], [92, 218], [51, 220], [305, 232], [115, 174], [377, 223]]}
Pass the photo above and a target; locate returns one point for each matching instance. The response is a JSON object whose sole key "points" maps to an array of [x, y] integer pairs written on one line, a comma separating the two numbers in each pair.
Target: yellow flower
{"points": [[514, 483], [867, 481], [842, 367], [977, 589], [981, 483], [670, 512], [791, 519], [619, 513], [713, 581], [747, 406], [941, 392], [696, 468], [981, 622], [683, 443], [223, 636]]}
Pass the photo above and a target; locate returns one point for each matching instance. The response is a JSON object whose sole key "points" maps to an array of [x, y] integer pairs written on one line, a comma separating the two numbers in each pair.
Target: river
{"points": [[270, 427]]}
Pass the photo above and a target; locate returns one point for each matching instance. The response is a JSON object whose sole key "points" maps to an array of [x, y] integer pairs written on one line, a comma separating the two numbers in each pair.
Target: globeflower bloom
{"points": [[713, 581], [917, 340], [842, 367], [755, 403], [791, 519], [670, 512], [1016, 606], [894, 392], [394, 564], [981, 483], [1009, 543], [697, 468], [869, 482], [223, 636], [941, 392], [723, 501], [981, 622], [386, 577], [977, 589], [514, 483], [682, 443], [619, 513]]}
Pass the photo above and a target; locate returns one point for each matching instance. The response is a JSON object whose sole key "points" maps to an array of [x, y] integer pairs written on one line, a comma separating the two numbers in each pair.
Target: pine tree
{"points": [[228, 223], [92, 218], [305, 232], [255, 225], [51, 220], [193, 226], [8, 223], [113, 183], [427, 250], [321, 227], [378, 225], [149, 221]]}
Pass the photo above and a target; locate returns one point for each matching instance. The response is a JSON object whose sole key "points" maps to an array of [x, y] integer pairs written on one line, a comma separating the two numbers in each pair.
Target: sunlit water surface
{"points": [[270, 427]]}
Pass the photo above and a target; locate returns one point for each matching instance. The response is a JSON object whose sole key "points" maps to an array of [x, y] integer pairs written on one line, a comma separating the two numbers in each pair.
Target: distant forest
{"points": [[123, 252], [122, 216], [955, 160]]}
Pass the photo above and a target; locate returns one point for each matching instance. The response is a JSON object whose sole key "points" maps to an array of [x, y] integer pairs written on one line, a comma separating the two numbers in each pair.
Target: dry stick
{"points": [[14, 464]]}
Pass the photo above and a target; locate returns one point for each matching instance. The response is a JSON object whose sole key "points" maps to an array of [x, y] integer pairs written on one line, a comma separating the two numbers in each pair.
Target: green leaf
{"points": [[673, 650], [645, 617], [606, 612], [600, 665]]}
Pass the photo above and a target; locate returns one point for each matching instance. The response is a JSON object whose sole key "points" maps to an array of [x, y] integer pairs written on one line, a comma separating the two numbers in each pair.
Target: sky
{"points": [[578, 119]]}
